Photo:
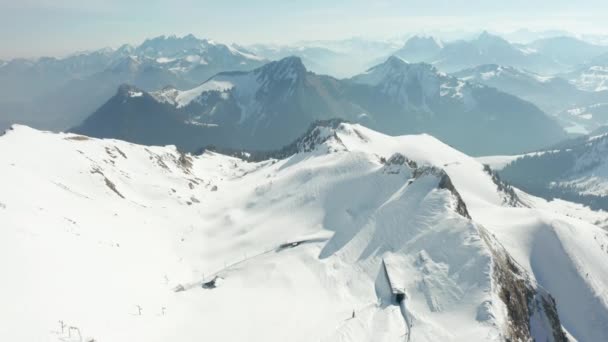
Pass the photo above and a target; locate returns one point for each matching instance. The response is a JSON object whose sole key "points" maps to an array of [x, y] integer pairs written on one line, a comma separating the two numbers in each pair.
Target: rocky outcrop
{"points": [[509, 195], [525, 301], [445, 182]]}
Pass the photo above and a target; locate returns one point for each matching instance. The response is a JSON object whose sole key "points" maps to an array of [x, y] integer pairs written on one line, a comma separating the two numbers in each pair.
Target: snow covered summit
{"points": [[416, 86], [351, 236]]}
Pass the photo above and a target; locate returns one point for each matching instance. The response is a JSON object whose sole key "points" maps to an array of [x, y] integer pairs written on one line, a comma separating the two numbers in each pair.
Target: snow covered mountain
{"points": [[197, 59], [262, 109], [416, 98], [272, 105], [58, 93], [578, 111], [575, 170], [485, 49], [353, 236]]}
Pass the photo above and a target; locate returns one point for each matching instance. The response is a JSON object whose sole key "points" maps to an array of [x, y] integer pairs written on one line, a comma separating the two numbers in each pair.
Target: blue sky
{"points": [[55, 27]]}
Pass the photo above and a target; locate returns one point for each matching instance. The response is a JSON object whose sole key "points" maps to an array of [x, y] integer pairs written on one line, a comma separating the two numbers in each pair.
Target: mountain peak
{"points": [[396, 62], [170, 45], [395, 69], [420, 49], [292, 62], [319, 133], [422, 42], [287, 68], [486, 36]]}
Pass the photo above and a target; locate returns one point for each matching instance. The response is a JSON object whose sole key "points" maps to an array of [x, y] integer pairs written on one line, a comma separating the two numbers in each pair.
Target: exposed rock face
{"points": [[510, 197], [524, 300], [444, 183], [316, 135]]}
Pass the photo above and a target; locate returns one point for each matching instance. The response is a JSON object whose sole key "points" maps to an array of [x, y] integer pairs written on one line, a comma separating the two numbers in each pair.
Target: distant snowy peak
{"points": [[401, 80], [484, 49], [169, 45], [395, 69], [182, 47]]}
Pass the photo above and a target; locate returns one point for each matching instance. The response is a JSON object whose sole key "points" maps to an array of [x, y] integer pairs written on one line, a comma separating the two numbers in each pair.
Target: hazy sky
{"points": [[55, 27]]}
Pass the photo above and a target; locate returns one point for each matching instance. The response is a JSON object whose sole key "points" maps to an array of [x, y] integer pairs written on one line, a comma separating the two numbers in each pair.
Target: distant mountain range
{"points": [[271, 105], [545, 56], [578, 110], [56, 94]]}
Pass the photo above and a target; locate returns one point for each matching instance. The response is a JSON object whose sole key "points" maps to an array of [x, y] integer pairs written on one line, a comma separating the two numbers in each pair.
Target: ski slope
{"points": [[116, 240]]}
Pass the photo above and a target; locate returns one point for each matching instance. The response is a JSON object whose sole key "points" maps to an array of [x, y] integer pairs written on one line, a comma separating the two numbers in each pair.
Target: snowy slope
{"points": [[100, 234]]}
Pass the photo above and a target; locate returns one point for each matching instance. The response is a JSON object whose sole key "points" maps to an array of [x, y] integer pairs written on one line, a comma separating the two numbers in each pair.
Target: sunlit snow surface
{"points": [[99, 233]]}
